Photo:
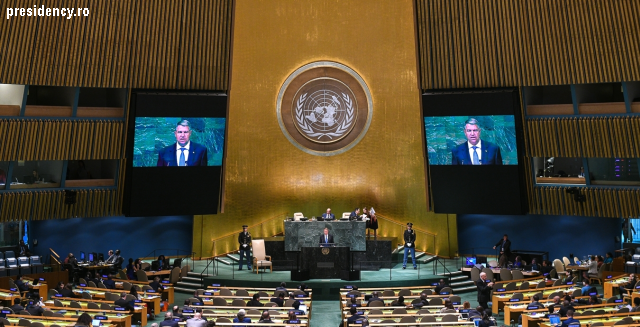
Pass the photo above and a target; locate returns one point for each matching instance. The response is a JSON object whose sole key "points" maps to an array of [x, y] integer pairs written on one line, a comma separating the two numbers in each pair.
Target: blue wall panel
{"points": [[559, 235], [134, 236]]}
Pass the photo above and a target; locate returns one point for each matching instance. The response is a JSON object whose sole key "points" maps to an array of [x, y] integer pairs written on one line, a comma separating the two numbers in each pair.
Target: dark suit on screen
{"points": [[197, 156], [323, 241], [490, 154]]}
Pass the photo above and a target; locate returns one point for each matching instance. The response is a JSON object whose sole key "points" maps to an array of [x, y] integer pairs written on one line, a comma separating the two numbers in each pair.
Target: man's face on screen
{"points": [[472, 132], [183, 133]]}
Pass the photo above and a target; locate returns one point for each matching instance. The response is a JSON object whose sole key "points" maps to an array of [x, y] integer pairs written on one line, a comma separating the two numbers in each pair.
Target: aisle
{"points": [[325, 314]]}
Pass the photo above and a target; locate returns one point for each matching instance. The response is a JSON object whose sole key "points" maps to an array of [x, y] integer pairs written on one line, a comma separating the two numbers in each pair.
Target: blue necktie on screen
{"points": [[181, 163], [476, 161]]}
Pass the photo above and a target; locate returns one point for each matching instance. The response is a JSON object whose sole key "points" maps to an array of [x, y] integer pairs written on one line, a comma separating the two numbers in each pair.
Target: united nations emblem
{"points": [[326, 251], [324, 108]]}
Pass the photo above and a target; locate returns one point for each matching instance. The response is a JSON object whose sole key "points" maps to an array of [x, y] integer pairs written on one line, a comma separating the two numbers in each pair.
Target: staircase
{"points": [[460, 283], [190, 283]]}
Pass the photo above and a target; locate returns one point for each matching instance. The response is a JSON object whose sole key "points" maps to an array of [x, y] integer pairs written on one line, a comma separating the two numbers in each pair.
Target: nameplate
{"points": [[150, 291], [83, 285], [41, 279], [58, 295], [351, 295], [349, 287], [514, 300], [501, 290], [197, 303], [593, 293], [137, 301], [444, 293], [532, 307], [325, 265], [456, 303], [6, 312], [618, 301], [297, 321], [638, 287], [177, 319], [357, 321], [208, 293], [360, 312], [300, 295], [187, 311], [609, 276], [215, 285], [545, 274], [101, 317], [165, 282], [569, 283], [434, 284], [465, 310], [118, 308], [105, 276]]}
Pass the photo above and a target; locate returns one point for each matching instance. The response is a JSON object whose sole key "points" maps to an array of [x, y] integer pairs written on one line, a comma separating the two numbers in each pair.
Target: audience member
{"points": [[570, 319], [555, 304], [375, 296], [354, 316], [535, 301], [486, 322], [296, 303], [609, 258], [109, 283], [168, 320], [16, 307], [423, 301], [279, 300], [265, 317], [133, 291], [400, 301], [196, 321], [67, 291], [84, 320], [566, 306], [35, 309], [466, 305], [440, 286], [586, 287], [241, 317], [131, 274], [636, 305], [629, 285], [282, 287], [122, 302], [292, 318], [600, 261], [255, 301], [157, 286], [447, 306], [478, 312], [303, 287]]}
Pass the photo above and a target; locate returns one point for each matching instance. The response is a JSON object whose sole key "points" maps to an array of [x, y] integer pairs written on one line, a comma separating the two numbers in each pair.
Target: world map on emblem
{"points": [[324, 110]]}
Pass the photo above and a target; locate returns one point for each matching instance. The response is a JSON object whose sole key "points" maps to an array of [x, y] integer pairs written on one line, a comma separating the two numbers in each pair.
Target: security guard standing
{"points": [[244, 238], [409, 246]]}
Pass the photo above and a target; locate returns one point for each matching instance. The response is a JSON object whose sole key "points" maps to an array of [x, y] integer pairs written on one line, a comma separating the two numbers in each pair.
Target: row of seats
{"points": [[22, 265]]}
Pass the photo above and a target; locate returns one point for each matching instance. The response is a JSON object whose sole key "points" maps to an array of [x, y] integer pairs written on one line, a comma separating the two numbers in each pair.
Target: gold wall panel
{"points": [[266, 176], [488, 43], [165, 44]]}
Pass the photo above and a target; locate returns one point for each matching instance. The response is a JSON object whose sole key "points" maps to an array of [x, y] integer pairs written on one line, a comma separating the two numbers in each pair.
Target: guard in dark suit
{"points": [[484, 152], [484, 287], [328, 215], [409, 246], [183, 152], [354, 214], [244, 238], [326, 239], [505, 250]]}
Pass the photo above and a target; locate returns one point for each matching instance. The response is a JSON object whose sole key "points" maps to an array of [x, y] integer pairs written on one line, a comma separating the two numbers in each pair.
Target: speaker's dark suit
{"points": [[490, 154], [197, 156], [322, 240]]}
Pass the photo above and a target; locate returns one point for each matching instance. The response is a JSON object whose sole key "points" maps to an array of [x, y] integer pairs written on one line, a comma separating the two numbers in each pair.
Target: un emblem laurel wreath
{"points": [[307, 129]]}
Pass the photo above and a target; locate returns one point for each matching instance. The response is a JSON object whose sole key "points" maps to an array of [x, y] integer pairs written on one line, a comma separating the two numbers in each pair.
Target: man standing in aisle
{"points": [[484, 287], [244, 238], [505, 250], [409, 246]]}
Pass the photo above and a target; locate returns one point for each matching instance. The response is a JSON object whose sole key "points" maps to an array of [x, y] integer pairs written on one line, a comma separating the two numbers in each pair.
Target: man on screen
{"points": [[475, 151], [183, 152]]}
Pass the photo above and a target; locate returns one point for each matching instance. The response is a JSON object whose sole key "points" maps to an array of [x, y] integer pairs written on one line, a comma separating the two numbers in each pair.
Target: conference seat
{"points": [[222, 319], [542, 284], [126, 286], [406, 292], [101, 285], [249, 312], [492, 263], [52, 293], [399, 311], [553, 273], [260, 258], [86, 296], [235, 302], [612, 299], [74, 304], [558, 266], [408, 320], [105, 306], [145, 266], [388, 293], [375, 312], [299, 292], [24, 322], [289, 303], [225, 292], [623, 310], [37, 324], [47, 313], [174, 276], [345, 215], [376, 304], [122, 274], [455, 299], [517, 274], [264, 294], [242, 293], [475, 274], [24, 313], [92, 305], [270, 304], [388, 322], [3, 268], [141, 276], [446, 290], [92, 284], [436, 301], [220, 302], [557, 282], [9, 255], [577, 292], [36, 264], [57, 303], [184, 271], [297, 216], [566, 262], [57, 315], [12, 266], [524, 286], [505, 274], [540, 295], [518, 296], [489, 273], [511, 286], [597, 277], [82, 281], [23, 264], [427, 318], [449, 318]]}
